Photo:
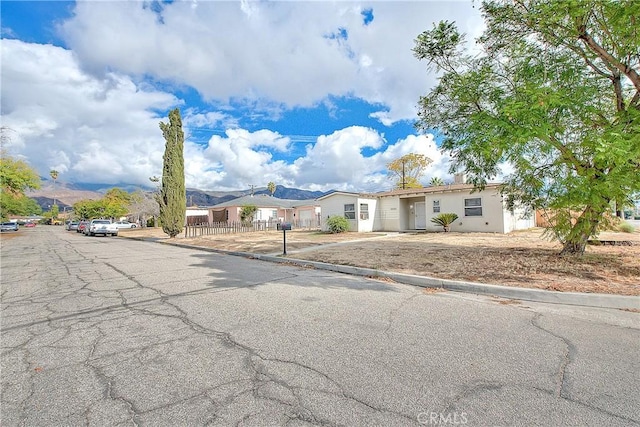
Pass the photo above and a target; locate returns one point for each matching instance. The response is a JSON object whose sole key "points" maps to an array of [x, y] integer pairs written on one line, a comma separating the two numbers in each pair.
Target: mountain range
{"points": [[66, 194]]}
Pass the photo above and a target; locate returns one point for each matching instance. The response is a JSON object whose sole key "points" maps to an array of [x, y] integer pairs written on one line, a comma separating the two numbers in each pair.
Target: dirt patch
{"points": [[522, 259], [8, 235]]}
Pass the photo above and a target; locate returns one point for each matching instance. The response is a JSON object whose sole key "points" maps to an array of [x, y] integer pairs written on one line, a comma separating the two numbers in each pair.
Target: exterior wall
{"points": [[365, 224], [334, 205], [234, 213], [396, 213], [388, 214], [307, 214], [491, 220]]}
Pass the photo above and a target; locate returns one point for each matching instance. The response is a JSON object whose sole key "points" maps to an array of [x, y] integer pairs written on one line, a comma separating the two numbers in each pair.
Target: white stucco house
{"points": [[412, 209]]}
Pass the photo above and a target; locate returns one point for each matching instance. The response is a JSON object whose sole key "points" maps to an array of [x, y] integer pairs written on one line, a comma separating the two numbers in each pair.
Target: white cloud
{"points": [[293, 53], [92, 111], [335, 161], [90, 129]]}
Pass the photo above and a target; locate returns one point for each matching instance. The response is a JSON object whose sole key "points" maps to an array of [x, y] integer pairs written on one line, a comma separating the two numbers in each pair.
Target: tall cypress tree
{"points": [[173, 195]]}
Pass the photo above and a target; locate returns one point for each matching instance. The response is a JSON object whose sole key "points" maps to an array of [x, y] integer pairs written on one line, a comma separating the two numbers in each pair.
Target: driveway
{"points": [[109, 331]]}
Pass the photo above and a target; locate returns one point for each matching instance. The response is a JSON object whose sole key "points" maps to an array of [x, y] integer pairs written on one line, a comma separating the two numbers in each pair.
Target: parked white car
{"points": [[100, 226], [125, 224]]}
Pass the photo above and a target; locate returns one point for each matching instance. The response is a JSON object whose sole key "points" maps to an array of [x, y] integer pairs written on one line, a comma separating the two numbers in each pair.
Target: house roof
{"points": [[347, 193], [451, 188], [265, 201]]}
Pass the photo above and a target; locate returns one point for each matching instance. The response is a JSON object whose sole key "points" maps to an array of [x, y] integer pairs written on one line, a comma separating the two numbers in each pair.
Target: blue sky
{"points": [[314, 95]]}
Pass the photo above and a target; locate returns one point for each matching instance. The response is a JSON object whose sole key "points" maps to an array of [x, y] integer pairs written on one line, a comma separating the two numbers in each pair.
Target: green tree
{"points": [[407, 170], [173, 195], [18, 205], [89, 209], [435, 181], [555, 94], [247, 212], [16, 177], [271, 186], [116, 203]]}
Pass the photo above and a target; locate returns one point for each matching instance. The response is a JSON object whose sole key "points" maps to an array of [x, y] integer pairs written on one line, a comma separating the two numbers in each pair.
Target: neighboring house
{"points": [[300, 212], [196, 215], [359, 209], [412, 209]]}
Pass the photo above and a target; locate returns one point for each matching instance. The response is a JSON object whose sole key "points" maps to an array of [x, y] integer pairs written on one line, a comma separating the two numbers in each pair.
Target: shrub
{"points": [[445, 220], [625, 227], [338, 224], [248, 212]]}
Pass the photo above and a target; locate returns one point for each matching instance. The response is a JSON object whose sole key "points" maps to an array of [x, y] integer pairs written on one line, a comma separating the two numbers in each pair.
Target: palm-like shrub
{"points": [[445, 220]]}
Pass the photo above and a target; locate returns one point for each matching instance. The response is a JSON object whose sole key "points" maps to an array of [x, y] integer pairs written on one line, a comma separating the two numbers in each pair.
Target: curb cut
{"points": [[620, 302]]}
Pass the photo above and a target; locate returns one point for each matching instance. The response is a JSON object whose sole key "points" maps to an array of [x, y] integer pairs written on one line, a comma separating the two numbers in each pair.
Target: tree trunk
{"points": [[585, 227]]}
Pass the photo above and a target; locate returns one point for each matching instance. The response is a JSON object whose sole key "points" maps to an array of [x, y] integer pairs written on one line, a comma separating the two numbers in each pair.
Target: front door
{"points": [[421, 216]]}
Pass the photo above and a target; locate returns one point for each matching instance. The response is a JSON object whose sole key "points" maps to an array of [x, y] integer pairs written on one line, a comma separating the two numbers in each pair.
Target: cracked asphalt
{"points": [[102, 331]]}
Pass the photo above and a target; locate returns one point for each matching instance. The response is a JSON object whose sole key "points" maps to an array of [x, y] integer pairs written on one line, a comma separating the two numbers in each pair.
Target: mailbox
{"points": [[285, 226]]}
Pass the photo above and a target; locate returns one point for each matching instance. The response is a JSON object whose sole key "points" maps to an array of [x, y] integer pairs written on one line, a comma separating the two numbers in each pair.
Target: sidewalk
{"points": [[608, 301]]}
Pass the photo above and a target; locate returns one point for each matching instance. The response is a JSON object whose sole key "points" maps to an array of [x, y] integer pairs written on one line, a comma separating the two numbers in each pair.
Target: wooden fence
{"points": [[234, 227]]}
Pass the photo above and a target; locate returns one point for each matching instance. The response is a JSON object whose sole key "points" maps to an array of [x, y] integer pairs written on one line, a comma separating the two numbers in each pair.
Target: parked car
{"points": [[81, 226], [9, 226], [100, 226], [125, 224], [72, 225], [30, 224]]}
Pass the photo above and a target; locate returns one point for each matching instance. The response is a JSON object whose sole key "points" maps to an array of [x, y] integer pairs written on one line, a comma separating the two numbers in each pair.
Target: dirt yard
{"points": [[522, 259]]}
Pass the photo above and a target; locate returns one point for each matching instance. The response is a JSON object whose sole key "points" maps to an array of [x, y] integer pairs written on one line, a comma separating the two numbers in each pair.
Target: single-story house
{"points": [[413, 209], [302, 213]]}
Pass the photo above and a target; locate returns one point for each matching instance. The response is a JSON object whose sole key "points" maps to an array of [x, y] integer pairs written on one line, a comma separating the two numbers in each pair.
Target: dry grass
{"points": [[520, 259]]}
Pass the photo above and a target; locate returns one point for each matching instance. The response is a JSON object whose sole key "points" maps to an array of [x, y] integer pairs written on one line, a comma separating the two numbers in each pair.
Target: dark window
{"points": [[350, 211], [473, 207]]}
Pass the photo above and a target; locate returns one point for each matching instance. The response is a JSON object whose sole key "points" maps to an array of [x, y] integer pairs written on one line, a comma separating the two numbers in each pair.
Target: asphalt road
{"points": [[106, 331]]}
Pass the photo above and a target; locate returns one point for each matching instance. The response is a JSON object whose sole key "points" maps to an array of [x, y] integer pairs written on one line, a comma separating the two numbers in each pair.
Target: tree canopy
{"points": [[407, 170], [271, 186], [435, 181], [16, 177], [114, 204], [173, 195], [552, 90]]}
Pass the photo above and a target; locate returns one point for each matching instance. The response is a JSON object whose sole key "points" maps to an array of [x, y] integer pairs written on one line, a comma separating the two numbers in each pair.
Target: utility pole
{"points": [[252, 187], [403, 180]]}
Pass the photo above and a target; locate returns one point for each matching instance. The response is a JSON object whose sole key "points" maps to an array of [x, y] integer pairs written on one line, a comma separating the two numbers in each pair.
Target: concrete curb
{"points": [[621, 302]]}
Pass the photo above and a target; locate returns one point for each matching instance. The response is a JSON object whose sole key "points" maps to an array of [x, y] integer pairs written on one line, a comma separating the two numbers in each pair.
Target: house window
{"points": [[350, 211], [364, 211], [436, 206], [473, 207], [274, 214]]}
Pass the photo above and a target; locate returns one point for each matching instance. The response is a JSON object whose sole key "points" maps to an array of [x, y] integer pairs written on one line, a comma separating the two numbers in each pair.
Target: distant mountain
{"points": [[210, 198], [66, 194]]}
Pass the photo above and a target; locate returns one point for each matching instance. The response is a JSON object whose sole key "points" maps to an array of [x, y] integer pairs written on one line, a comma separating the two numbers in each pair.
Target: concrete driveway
{"points": [[108, 331]]}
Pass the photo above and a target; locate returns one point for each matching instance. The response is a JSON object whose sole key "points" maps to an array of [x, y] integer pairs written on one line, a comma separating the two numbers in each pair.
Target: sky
{"points": [[317, 95]]}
